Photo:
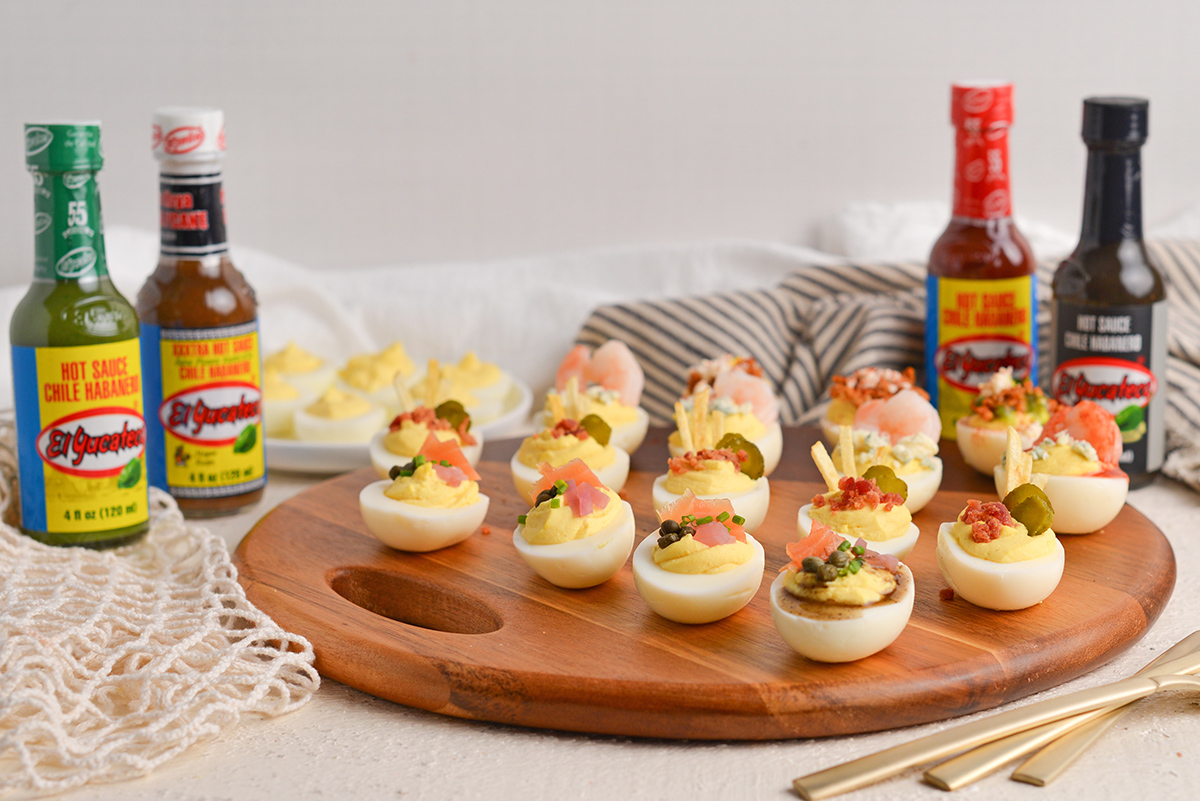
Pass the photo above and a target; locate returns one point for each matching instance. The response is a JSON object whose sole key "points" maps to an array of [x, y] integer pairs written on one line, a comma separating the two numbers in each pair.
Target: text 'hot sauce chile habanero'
{"points": [[199, 332], [981, 302], [77, 379]]}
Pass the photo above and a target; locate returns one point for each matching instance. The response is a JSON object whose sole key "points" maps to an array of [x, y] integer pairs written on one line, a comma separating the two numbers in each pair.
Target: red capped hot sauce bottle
{"points": [[981, 293], [1110, 303], [199, 332]]}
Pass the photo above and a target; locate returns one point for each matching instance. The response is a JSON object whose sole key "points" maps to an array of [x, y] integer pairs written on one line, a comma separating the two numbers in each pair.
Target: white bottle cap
{"points": [[186, 133]]}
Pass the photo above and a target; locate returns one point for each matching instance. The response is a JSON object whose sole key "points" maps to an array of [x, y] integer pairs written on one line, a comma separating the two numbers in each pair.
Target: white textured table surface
{"points": [[349, 745]]}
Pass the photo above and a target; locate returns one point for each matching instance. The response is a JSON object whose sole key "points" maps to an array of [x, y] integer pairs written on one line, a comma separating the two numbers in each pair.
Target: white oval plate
{"points": [[323, 458]]}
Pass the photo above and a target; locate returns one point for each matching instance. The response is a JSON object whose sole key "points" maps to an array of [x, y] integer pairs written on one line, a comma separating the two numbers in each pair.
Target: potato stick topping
{"points": [[407, 402], [685, 429], [846, 451], [557, 413], [825, 466], [700, 420]]}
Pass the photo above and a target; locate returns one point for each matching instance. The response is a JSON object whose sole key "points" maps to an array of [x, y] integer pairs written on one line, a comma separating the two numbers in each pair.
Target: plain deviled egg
{"points": [[837, 601], [432, 502], [700, 565], [579, 532], [338, 416]]}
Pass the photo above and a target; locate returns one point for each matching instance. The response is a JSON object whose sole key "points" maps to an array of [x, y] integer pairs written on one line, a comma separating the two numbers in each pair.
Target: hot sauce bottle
{"points": [[77, 380], [199, 332], [1109, 306], [981, 294]]}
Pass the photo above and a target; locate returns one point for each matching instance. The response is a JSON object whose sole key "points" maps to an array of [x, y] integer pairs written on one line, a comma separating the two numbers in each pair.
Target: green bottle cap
{"points": [[63, 146]]}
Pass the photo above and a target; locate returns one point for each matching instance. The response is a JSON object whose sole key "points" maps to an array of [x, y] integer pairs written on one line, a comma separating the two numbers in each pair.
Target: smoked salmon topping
{"points": [[858, 493], [698, 514], [986, 519], [423, 415], [573, 471], [448, 454], [874, 383], [692, 460]]}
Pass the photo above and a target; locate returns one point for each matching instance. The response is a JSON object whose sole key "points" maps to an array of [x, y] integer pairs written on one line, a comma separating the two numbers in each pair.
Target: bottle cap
{"points": [[63, 146], [186, 133], [988, 101], [1116, 119]]}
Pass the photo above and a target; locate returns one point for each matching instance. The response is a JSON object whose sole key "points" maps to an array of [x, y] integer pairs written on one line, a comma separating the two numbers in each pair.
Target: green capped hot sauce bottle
{"points": [[77, 375]]}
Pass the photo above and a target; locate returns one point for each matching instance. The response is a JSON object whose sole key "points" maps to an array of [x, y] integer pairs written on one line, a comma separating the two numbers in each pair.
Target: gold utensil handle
{"points": [[1046, 765], [974, 765], [870, 769]]}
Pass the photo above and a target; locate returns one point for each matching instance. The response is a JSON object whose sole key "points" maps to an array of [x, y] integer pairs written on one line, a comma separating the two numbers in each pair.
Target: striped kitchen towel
{"points": [[822, 321]]}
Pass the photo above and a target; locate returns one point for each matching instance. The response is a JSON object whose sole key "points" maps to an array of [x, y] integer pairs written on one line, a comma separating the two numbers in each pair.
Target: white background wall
{"points": [[398, 131]]}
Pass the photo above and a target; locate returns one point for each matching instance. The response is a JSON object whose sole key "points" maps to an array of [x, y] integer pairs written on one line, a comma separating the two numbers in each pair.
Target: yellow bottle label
{"points": [[206, 437], [91, 439], [974, 328]]}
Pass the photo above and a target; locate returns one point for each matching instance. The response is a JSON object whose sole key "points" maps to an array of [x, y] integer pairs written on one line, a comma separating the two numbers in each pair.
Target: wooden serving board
{"points": [[473, 632]]}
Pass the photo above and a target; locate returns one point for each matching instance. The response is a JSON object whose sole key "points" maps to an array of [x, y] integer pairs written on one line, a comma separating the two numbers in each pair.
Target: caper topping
{"points": [[812, 564], [827, 572], [839, 558], [545, 495], [394, 473], [670, 527]]}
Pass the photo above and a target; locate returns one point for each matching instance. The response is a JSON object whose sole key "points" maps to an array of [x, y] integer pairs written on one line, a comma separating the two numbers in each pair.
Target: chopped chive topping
{"points": [[845, 546], [858, 550], [854, 566], [406, 473], [521, 519], [419, 460], [555, 503], [704, 520], [723, 516], [843, 571], [738, 520], [445, 463], [560, 485]]}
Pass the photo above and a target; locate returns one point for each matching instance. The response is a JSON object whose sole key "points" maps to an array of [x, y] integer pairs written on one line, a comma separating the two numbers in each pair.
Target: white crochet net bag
{"points": [[112, 662]]}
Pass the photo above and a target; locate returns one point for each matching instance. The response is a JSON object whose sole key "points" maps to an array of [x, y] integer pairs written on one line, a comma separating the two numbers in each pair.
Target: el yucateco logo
{"points": [[36, 140], [213, 414], [96, 443], [75, 262], [76, 180], [1112, 383], [155, 136], [184, 139], [967, 363]]}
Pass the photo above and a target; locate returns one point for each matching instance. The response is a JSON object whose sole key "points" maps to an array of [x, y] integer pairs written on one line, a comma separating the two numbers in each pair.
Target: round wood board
{"points": [[471, 631]]}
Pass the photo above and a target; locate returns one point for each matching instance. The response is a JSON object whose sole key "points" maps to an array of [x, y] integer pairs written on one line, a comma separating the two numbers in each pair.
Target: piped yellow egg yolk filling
{"points": [[425, 488], [876, 524], [338, 405], [841, 412], [546, 524], [695, 558], [557, 451], [473, 373], [292, 360], [275, 388], [717, 476], [869, 585], [1013, 545]]}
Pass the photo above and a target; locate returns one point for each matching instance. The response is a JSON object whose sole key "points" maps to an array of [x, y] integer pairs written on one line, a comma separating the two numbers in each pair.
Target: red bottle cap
{"points": [[981, 113]]}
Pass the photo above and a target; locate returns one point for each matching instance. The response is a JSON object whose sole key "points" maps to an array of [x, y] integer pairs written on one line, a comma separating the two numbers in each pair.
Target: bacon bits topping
{"points": [[691, 461], [986, 519], [871, 383], [859, 493]]}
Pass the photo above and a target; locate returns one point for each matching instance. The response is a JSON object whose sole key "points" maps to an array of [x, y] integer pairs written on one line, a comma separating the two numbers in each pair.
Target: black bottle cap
{"points": [[1119, 120]]}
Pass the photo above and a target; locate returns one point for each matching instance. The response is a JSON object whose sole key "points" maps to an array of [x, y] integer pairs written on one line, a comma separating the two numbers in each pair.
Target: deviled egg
{"points": [[722, 415], [607, 382], [913, 459], [567, 439], [281, 400], [374, 375], [303, 370], [837, 601], [870, 389], [338, 416], [432, 502], [700, 565], [1001, 403], [403, 437], [579, 532]]}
